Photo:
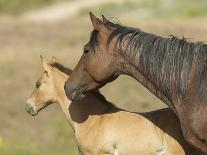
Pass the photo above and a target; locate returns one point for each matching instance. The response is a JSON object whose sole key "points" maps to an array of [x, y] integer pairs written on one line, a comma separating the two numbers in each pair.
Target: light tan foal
{"points": [[102, 129]]}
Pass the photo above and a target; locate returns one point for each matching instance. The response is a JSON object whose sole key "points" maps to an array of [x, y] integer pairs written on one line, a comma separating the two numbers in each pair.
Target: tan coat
{"points": [[102, 129]]}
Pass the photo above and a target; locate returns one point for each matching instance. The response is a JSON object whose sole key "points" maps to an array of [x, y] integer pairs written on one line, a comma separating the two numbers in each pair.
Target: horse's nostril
{"points": [[76, 96]]}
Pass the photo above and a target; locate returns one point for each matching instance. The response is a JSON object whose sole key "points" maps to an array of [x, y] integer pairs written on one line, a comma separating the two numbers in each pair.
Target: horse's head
{"points": [[98, 63], [46, 91]]}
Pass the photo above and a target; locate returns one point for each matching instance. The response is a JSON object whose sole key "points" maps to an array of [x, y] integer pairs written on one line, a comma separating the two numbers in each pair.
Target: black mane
{"points": [[166, 62], [61, 68]]}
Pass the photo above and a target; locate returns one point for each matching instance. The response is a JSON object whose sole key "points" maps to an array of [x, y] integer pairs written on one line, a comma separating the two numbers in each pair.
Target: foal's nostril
{"points": [[30, 109]]}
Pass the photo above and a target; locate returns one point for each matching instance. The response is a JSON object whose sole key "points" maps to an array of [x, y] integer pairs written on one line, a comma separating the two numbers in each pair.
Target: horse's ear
{"points": [[45, 64], [105, 20], [97, 23]]}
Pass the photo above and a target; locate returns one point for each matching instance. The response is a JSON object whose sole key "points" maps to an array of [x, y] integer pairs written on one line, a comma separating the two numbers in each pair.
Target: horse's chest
{"points": [[195, 121]]}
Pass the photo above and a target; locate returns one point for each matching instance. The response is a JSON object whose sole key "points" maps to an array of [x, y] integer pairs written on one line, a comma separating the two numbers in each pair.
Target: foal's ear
{"points": [[54, 60], [45, 64], [97, 23]]}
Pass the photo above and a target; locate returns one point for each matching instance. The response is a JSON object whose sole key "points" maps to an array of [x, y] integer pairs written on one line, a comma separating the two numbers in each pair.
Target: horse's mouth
{"points": [[76, 95]]}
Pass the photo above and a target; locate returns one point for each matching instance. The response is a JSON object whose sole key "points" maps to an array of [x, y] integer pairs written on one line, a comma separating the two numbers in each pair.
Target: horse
{"points": [[101, 128], [173, 69]]}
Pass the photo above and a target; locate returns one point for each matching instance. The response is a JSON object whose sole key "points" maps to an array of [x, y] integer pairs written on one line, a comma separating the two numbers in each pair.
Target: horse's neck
{"points": [[131, 68], [83, 112]]}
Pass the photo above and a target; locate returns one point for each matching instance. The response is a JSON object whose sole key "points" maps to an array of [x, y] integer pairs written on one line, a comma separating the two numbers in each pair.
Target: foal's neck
{"points": [[82, 112], [65, 104]]}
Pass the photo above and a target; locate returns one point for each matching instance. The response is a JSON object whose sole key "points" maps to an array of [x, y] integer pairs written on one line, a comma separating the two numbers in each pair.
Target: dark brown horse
{"points": [[173, 69]]}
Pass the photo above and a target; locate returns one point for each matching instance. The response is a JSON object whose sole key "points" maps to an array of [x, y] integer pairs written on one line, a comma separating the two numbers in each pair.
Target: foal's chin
{"points": [[31, 111], [33, 114]]}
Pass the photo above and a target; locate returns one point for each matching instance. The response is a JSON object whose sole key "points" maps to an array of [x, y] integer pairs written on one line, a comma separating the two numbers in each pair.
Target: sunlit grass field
{"points": [[19, 6], [154, 8], [22, 42]]}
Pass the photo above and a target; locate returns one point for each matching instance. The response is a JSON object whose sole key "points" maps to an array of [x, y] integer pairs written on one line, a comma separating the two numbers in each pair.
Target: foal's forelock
{"points": [[167, 62]]}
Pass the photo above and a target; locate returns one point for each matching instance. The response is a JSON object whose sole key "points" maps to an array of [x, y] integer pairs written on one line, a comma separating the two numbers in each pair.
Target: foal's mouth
{"points": [[30, 109]]}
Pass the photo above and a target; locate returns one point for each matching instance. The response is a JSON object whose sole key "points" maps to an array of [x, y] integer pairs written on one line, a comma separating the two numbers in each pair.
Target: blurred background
{"points": [[29, 28]]}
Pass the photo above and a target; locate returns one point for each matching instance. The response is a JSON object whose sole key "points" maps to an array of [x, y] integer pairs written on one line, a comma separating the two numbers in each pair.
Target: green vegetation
{"points": [[19, 6], [110, 8], [63, 143], [183, 8], [159, 8], [153, 8], [23, 150]]}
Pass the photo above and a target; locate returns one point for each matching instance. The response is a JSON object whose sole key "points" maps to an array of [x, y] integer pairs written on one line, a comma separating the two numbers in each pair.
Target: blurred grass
{"points": [[19, 6], [153, 8], [63, 143], [149, 8], [22, 43]]}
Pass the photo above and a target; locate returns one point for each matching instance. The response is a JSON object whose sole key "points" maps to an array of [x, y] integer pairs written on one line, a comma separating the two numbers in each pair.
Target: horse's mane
{"points": [[167, 62]]}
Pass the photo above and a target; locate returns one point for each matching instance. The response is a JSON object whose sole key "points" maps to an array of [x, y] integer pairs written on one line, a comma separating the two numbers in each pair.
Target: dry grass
{"points": [[20, 46]]}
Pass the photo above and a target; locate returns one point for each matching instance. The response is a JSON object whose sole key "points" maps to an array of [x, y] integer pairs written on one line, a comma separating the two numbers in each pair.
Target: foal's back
{"points": [[126, 133]]}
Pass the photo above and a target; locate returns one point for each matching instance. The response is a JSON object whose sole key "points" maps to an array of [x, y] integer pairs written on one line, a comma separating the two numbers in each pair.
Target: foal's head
{"points": [[98, 63], [46, 91]]}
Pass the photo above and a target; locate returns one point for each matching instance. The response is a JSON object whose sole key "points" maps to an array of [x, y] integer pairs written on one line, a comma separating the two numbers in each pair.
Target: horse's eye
{"points": [[38, 84], [86, 51]]}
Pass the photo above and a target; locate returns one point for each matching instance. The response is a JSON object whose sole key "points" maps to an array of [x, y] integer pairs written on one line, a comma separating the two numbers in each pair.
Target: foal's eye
{"points": [[86, 51], [38, 84]]}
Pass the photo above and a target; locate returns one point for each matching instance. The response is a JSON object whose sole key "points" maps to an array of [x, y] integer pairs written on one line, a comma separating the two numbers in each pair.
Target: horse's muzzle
{"points": [[76, 96], [30, 109], [73, 94]]}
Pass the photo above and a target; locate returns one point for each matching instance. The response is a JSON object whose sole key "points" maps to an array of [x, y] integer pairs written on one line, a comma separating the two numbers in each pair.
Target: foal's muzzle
{"points": [[30, 109]]}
